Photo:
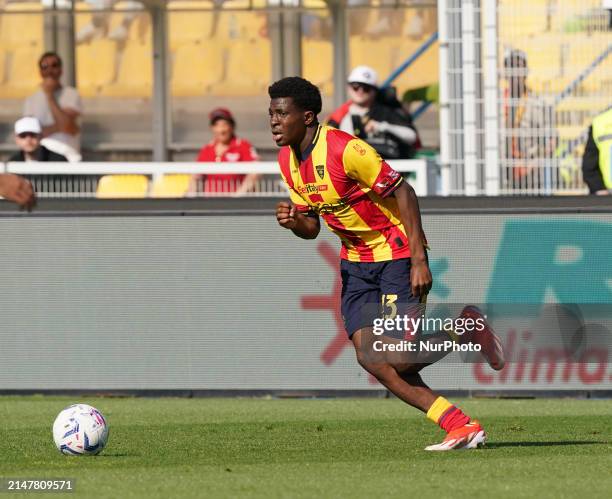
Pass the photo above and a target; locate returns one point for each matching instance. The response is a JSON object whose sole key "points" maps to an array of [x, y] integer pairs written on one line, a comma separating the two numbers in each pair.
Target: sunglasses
{"points": [[362, 86], [51, 65], [27, 134]]}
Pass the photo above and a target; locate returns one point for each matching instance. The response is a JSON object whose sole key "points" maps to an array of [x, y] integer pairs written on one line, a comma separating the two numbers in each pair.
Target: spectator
{"points": [[225, 147], [530, 126], [57, 108], [99, 25], [597, 158], [28, 134], [372, 114]]}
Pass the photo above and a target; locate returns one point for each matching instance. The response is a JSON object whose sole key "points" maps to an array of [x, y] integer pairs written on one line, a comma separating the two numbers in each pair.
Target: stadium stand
{"points": [[21, 25], [22, 79], [2, 65], [21, 41], [317, 56], [96, 66], [122, 186], [134, 78], [248, 68], [187, 28], [196, 68], [170, 186], [423, 72], [365, 50]]}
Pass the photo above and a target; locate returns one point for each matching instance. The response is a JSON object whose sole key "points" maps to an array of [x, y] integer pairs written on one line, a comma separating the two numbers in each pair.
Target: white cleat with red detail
{"points": [[469, 436]]}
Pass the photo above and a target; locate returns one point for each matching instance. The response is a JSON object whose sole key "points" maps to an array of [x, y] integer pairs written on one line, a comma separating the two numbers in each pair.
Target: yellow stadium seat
{"points": [[135, 73], [317, 63], [122, 186], [249, 68], [23, 29], [22, 78], [423, 72], [95, 66], [188, 28], [371, 52], [171, 186], [2, 64], [243, 25], [196, 68]]}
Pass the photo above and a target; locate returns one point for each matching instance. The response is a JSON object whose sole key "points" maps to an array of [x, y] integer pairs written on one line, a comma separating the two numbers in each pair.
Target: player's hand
{"points": [[420, 278], [286, 215], [17, 189]]}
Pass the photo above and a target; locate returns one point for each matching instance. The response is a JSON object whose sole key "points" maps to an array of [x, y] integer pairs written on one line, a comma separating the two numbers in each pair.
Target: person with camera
{"points": [[374, 115]]}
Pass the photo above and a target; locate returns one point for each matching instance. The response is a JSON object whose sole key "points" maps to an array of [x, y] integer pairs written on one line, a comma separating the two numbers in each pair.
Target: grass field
{"points": [[315, 448]]}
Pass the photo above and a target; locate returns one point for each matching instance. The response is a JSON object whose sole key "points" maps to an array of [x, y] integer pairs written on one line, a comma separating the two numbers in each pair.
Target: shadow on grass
{"points": [[496, 445]]}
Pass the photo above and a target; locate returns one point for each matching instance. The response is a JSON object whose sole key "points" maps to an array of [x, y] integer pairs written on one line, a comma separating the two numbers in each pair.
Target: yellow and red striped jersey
{"points": [[346, 182]]}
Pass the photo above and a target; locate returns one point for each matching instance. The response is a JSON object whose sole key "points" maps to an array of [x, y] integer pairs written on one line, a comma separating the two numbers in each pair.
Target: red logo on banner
{"points": [[331, 302]]}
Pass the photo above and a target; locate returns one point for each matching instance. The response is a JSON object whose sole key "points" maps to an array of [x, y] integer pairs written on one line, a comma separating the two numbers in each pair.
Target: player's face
{"points": [[288, 123]]}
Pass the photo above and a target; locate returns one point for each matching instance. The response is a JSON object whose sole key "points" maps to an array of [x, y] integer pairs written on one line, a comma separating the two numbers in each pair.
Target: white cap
{"points": [[364, 74], [28, 124]]}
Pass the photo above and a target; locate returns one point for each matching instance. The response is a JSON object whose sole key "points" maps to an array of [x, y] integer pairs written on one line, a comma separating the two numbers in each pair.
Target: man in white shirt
{"points": [[58, 109]]}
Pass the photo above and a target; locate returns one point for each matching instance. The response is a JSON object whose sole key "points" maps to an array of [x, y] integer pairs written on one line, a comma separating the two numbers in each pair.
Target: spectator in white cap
{"points": [[376, 116], [28, 134]]}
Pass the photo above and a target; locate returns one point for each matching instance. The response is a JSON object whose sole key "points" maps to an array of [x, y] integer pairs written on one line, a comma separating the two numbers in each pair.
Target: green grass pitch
{"points": [[170, 447]]}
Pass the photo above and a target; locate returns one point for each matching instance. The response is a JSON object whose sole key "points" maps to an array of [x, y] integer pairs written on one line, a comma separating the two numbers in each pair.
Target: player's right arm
{"points": [[17, 189], [302, 225]]}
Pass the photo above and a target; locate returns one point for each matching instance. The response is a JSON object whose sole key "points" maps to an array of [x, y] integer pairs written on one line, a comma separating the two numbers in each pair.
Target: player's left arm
{"points": [[410, 214]]}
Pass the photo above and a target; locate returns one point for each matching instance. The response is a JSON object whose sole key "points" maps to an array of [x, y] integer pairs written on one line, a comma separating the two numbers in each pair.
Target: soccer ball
{"points": [[80, 429]]}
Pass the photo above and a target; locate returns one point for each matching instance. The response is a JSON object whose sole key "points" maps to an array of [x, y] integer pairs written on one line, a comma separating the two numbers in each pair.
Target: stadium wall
{"points": [[208, 295]]}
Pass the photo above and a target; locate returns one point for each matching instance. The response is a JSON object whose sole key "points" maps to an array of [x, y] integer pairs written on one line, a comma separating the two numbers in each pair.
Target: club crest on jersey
{"points": [[320, 171]]}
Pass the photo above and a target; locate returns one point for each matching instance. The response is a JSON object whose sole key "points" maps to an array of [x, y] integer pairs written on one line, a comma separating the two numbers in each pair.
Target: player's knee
{"points": [[380, 370], [407, 370]]}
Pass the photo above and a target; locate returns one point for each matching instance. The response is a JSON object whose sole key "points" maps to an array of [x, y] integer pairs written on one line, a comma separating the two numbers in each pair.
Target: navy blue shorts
{"points": [[370, 290]]}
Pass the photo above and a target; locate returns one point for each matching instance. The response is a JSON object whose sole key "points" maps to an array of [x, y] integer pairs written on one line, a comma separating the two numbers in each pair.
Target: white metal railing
{"points": [[80, 180]]}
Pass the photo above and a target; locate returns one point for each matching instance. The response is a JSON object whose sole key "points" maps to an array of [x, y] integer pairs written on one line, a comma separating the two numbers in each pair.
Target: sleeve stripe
{"points": [[389, 190]]}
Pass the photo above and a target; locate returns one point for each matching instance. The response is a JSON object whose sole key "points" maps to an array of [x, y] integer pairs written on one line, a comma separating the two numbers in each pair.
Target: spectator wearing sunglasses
{"points": [[57, 108], [28, 134], [376, 116]]}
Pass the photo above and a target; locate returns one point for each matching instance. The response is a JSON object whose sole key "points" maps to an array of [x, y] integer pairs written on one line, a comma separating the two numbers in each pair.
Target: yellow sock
{"points": [[438, 408]]}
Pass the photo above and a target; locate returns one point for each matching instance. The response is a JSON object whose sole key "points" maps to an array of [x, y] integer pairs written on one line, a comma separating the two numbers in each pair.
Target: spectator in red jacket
{"points": [[225, 147]]}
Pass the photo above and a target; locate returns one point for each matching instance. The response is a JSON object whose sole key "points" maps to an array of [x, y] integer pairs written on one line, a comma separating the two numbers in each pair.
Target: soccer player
{"points": [[333, 175]]}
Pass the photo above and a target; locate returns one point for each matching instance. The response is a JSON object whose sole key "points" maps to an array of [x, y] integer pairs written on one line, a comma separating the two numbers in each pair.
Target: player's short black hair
{"points": [[304, 94]]}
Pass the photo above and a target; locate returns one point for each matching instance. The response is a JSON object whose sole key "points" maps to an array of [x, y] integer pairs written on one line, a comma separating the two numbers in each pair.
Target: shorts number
{"points": [[389, 307]]}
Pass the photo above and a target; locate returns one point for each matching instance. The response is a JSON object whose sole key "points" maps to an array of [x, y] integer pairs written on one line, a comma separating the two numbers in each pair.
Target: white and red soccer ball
{"points": [[80, 429]]}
